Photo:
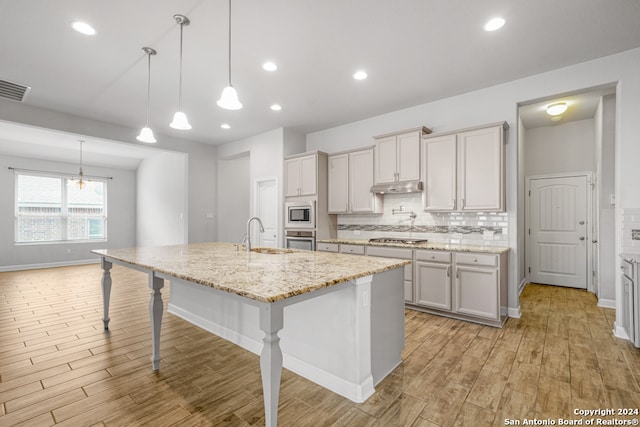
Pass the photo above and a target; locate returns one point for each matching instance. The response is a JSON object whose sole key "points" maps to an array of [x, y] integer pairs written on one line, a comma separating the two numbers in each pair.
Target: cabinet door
{"points": [[476, 292], [308, 184], [361, 180], [408, 152], [433, 285], [440, 173], [386, 164], [480, 170], [292, 172], [338, 197]]}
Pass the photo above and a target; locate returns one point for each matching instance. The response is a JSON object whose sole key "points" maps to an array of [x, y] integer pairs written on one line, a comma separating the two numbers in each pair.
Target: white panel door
{"points": [[338, 197], [480, 170], [386, 163], [361, 180], [440, 175], [266, 209], [409, 156], [558, 231]]}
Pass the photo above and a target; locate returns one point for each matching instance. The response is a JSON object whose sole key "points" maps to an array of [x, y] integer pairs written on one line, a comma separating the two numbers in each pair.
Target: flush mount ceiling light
{"points": [[146, 134], [494, 24], [229, 98], [556, 108], [83, 28], [360, 75], [179, 118], [276, 107], [269, 66], [225, 126]]}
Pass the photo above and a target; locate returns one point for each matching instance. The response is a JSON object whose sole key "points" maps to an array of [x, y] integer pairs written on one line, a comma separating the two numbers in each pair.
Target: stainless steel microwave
{"points": [[300, 214]]}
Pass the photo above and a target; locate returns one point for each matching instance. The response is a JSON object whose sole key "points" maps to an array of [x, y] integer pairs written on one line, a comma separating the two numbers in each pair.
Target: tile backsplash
{"points": [[472, 228], [631, 231]]}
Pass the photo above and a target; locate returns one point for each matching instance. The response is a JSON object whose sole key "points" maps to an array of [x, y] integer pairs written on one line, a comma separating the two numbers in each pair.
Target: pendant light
{"points": [[146, 134], [80, 184], [229, 98], [180, 118]]}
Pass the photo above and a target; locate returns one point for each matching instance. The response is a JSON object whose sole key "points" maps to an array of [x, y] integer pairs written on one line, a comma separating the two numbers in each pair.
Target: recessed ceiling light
{"points": [[276, 107], [494, 24], [556, 108], [225, 126], [360, 75], [269, 66], [83, 28]]}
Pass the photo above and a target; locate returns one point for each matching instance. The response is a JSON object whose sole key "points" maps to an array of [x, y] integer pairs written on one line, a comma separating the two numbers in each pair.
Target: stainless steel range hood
{"points": [[397, 187]]}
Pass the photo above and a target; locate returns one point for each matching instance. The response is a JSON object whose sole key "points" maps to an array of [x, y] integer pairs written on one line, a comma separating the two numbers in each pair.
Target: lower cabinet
{"points": [[465, 285], [408, 269]]}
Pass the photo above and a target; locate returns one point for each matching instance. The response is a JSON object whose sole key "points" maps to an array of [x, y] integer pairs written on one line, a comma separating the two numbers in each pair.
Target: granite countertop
{"points": [[426, 245], [266, 277]]}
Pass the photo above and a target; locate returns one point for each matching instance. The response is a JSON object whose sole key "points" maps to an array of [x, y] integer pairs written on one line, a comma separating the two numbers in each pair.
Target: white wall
{"points": [[162, 200], [499, 103], [234, 187], [121, 207], [266, 160], [202, 157], [566, 147]]}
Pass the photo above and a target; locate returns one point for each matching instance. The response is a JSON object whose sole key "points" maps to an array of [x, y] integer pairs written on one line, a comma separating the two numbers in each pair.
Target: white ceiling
{"points": [[414, 51]]}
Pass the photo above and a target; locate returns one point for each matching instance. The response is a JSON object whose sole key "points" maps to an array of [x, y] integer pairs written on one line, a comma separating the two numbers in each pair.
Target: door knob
{"points": [[581, 222], [581, 237]]}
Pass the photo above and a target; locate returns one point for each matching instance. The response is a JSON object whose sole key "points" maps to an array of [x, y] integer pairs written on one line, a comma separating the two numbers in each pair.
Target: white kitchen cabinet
{"points": [[350, 181], [397, 156], [328, 247], [352, 249], [400, 253], [301, 176], [464, 170], [465, 285], [477, 285]]}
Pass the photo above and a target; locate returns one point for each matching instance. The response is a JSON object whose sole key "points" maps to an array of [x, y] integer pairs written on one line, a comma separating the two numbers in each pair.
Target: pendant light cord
{"points": [[180, 83], [148, 84], [229, 42]]}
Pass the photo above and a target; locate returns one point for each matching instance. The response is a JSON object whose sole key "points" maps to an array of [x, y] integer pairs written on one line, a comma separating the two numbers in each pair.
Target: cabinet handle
{"points": [[448, 271], [457, 273], [475, 260], [433, 257], [453, 204], [461, 203]]}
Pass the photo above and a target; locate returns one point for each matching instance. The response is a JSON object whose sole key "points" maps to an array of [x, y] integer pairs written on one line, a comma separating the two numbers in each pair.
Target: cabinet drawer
{"points": [[390, 252], [328, 247], [352, 249], [486, 260], [434, 256]]}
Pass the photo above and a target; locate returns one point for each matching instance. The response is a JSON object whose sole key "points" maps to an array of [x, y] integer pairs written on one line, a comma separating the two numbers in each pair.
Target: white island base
{"points": [[346, 341]]}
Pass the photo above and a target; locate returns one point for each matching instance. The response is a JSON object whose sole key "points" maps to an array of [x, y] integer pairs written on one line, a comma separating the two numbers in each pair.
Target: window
{"points": [[50, 209]]}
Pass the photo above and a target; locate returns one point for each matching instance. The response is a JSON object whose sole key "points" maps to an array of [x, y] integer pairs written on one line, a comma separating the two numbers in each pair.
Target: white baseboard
{"points": [[607, 303], [49, 265], [619, 332], [514, 312], [355, 392], [522, 285]]}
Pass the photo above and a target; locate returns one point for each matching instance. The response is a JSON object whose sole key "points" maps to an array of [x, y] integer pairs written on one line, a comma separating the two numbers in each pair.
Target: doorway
{"points": [[558, 228]]}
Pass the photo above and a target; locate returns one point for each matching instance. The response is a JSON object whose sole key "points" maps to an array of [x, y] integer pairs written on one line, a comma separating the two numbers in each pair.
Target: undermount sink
{"points": [[273, 251]]}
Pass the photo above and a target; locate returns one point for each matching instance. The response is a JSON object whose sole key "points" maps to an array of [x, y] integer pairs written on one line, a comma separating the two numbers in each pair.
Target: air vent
{"points": [[13, 91]]}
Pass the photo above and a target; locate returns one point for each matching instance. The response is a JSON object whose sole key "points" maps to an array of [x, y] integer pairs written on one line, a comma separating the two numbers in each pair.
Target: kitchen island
{"points": [[340, 317]]}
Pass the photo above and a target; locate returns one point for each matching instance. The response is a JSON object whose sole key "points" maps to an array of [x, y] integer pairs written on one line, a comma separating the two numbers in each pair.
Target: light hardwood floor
{"points": [[57, 365]]}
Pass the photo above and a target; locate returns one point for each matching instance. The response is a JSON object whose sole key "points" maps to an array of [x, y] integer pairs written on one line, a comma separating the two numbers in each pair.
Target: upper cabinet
{"points": [[465, 170], [397, 156], [350, 181], [301, 176]]}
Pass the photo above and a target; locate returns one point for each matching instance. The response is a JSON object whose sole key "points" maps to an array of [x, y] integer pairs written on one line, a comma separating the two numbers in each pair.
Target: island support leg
{"points": [[106, 291], [271, 322], [155, 313]]}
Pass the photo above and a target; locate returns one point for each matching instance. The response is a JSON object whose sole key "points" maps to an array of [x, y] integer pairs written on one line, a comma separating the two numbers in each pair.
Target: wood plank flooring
{"points": [[58, 366]]}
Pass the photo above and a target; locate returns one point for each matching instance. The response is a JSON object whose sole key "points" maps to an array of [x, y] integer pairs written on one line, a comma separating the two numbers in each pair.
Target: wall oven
{"points": [[301, 239], [300, 214]]}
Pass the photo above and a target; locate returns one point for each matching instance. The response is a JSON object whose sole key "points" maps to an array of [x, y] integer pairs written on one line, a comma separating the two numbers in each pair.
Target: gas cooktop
{"points": [[407, 241]]}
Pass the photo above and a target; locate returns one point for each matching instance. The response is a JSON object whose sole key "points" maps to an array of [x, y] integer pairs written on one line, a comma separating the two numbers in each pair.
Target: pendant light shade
{"points": [[146, 134], [180, 120], [229, 98]]}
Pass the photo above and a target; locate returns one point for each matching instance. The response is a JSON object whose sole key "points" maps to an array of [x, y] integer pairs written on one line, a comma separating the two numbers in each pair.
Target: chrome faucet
{"points": [[248, 244]]}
